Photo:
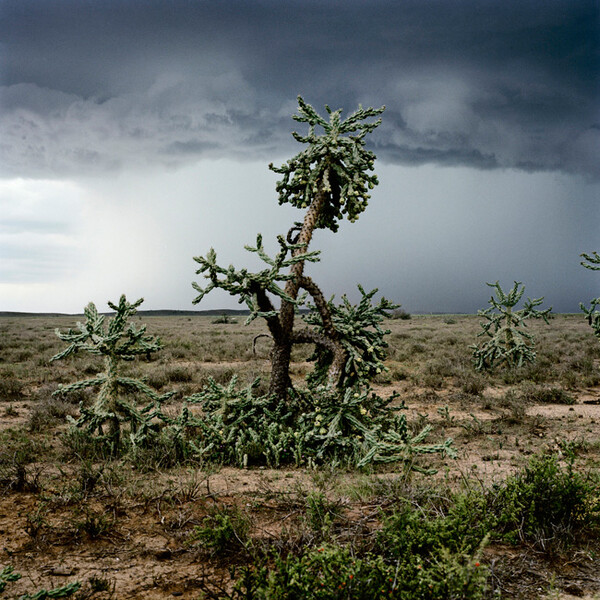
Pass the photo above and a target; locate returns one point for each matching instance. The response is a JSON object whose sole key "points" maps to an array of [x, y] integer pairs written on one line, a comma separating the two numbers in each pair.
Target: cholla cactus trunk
{"points": [[282, 350], [109, 393], [283, 342]]}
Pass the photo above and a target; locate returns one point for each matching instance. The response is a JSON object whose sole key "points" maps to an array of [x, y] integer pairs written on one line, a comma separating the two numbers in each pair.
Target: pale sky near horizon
{"points": [[136, 134]]}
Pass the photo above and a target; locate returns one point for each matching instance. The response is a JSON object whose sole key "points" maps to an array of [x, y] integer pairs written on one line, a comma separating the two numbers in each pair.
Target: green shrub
{"points": [[400, 313], [94, 524], [471, 383], [82, 445], [49, 412], [224, 529], [333, 572], [320, 513], [408, 535], [546, 395], [224, 320], [17, 445], [163, 449], [547, 504], [11, 388]]}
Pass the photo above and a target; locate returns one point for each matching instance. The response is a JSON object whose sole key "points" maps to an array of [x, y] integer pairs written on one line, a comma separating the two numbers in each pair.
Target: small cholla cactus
{"points": [[508, 343], [592, 313], [116, 342]]}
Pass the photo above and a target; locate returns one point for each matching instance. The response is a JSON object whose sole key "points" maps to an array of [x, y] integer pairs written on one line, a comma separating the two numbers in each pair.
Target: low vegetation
{"points": [[497, 521]]}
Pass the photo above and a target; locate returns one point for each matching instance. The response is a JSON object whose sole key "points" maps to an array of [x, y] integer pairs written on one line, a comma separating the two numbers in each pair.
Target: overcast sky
{"points": [[135, 135]]}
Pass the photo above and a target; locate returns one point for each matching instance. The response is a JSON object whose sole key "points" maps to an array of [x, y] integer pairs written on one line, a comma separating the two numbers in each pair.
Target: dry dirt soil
{"points": [[125, 533]]}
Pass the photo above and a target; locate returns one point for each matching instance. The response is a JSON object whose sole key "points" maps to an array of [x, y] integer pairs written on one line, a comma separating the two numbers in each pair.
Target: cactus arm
{"points": [[591, 261]]}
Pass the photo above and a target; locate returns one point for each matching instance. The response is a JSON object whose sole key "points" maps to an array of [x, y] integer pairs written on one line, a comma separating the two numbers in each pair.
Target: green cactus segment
{"points": [[335, 161], [355, 427], [7, 575], [592, 262], [64, 591], [508, 344], [117, 341], [251, 287], [359, 331]]}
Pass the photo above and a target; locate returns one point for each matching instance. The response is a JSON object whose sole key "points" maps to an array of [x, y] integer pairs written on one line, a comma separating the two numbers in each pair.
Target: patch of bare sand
{"points": [[559, 411], [15, 414]]}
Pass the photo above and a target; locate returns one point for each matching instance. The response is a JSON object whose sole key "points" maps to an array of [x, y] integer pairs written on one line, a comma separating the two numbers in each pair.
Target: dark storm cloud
{"points": [[95, 85]]}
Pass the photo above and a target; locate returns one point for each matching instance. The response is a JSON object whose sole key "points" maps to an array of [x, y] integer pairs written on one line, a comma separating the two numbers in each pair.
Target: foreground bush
{"points": [[333, 572], [547, 504], [433, 548]]}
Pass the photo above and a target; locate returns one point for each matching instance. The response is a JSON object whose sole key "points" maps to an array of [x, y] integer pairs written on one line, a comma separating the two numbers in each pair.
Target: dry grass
{"points": [[125, 531]]}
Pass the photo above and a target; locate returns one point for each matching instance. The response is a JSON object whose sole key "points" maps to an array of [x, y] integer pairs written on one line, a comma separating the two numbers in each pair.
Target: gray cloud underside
{"points": [[98, 86]]}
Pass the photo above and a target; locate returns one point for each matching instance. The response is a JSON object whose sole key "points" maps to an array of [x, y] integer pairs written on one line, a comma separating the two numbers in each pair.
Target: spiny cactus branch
{"points": [[252, 287], [593, 261]]}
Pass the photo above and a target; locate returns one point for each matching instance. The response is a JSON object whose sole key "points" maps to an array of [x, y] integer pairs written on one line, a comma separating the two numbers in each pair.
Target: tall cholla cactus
{"points": [[117, 342], [592, 313], [330, 179], [508, 343]]}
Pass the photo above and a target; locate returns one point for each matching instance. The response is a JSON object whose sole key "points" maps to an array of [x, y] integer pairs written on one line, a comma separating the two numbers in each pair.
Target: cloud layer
{"points": [[101, 86]]}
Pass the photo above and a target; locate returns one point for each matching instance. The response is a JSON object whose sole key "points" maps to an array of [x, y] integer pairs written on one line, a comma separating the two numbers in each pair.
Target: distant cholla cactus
{"points": [[119, 341], [592, 313], [508, 343]]}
